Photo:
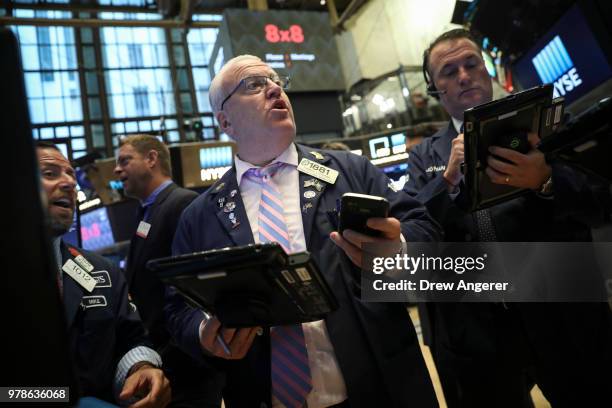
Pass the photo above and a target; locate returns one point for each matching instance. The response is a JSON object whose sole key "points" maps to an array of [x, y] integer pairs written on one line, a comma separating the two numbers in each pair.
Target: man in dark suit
{"points": [[143, 165], [363, 354], [491, 354], [107, 339]]}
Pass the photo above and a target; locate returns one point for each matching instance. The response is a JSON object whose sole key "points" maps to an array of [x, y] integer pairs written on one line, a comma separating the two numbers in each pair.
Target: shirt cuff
{"points": [[135, 355]]}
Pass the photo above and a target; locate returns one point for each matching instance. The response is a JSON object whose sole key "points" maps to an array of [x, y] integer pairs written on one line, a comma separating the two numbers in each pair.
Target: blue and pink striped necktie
{"points": [[291, 381]]}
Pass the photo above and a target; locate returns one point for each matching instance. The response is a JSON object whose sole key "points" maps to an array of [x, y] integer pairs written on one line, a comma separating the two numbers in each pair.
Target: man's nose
{"points": [[273, 89], [68, 183], [464, 76]]}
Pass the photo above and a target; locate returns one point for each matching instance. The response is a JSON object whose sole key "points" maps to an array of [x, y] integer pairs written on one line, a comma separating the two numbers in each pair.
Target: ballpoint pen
{"points": [[219, 338]]}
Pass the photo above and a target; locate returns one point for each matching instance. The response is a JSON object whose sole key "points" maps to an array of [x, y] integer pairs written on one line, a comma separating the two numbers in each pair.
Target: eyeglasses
{"points": [[256, 84]]}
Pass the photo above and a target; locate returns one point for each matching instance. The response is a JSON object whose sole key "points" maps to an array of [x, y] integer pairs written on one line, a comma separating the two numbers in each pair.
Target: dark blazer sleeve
{"points": [[416, 223], [432, 191], [182, 320], [130, 330], [578, 196]]}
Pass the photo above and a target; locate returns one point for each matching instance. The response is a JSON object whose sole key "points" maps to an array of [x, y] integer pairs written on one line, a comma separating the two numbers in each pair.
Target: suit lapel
{"points": [[308, 202], [442, 145], [72, 291], [227, 200]]}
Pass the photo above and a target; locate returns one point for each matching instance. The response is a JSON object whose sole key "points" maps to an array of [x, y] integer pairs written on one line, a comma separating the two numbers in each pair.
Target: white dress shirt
{"points": [[328, 386]]}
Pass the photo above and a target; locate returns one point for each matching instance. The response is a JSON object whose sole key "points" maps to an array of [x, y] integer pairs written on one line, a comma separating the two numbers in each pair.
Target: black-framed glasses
{"points": [[257, 83]]}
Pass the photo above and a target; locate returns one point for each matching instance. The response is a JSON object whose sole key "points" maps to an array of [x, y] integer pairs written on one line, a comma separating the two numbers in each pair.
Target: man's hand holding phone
{"points": [[364, 219]]}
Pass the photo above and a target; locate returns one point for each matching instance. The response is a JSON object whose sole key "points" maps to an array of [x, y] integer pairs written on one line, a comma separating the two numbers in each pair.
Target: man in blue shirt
{"points": [[143, 165]]}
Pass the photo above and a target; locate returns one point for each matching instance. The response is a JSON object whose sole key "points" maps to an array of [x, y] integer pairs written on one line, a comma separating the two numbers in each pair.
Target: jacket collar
{"points": [[72, 292], [226, 197], [227, 201], [309, 206]]}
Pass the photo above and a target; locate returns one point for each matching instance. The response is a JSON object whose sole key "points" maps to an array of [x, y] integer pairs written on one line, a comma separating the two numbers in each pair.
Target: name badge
{"points": [[143, 229], [102, 279], [84, 263], [93, 301], [317, 170], [79, 275]]}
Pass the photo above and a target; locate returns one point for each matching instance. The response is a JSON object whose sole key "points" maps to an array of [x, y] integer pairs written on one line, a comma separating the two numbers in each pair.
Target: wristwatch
{"points": [[547, 187]]}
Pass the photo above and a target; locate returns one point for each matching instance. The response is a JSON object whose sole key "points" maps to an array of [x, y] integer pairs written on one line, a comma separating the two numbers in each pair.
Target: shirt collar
{"points": [[289, 156], [457, 124], [151, 198]]}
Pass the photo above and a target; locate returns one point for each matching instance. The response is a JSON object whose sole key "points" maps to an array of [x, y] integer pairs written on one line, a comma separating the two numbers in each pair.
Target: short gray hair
{"points": [[216, 91]]}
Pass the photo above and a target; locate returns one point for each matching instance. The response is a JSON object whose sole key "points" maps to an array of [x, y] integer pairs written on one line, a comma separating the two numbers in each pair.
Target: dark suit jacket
{"points": [[375, 343], [102, 325], [467, 334], [145, 288], [193, 383]]}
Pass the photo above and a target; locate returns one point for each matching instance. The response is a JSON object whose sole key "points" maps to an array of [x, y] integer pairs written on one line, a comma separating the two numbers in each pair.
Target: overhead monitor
{"points": [[200, 164], [295, 43], [387, 149], [569, 56]]}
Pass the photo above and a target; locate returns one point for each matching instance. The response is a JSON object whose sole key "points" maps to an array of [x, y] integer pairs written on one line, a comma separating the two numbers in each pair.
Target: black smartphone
{"points": [[355, 209]]}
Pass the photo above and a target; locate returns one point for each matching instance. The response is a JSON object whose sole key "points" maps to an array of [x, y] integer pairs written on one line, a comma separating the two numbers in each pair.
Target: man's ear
{"points": [[152, 158], [224, 123]]}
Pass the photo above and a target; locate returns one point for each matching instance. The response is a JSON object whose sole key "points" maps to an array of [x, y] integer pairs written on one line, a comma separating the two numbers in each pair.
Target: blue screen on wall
{"points": [[568, 56]]}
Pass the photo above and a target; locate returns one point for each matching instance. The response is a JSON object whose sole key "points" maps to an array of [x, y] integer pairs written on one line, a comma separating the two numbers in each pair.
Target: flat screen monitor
{"points": [[569, 56], [96, 230], [200, 164], [387, 149], [299, 44]]}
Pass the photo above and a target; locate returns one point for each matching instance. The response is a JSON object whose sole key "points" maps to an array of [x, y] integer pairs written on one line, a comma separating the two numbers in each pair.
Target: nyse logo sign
{"points": [[554, 65]]}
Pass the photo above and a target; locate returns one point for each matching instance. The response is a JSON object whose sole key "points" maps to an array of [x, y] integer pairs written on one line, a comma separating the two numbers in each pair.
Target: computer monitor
{"points": [[96, 230], [200, 164], [569, 56], [35, 342]]}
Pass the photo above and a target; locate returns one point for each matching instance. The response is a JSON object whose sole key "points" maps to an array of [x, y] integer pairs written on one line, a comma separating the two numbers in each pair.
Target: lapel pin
{"points": [[317, 155], [219, 187], [309, 194], [233, 220], [309, 183], [306, 206], [221, 201], [229, 207], [233, 193]]}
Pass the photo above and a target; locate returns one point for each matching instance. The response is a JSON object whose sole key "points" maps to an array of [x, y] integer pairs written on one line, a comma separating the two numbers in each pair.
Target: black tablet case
{"points": [[585, 142], [494, 123], [252, 285]]}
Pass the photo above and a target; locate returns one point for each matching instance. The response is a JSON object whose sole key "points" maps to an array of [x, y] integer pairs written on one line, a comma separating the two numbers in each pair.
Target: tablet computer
{"points": [[585, 142], [504, 122], [252, 285]]}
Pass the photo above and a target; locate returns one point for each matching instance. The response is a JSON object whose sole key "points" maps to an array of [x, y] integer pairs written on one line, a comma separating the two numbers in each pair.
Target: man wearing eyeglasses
{"points": [[363, 354]]}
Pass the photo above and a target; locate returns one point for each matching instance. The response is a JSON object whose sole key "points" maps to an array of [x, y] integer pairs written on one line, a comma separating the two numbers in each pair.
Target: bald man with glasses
{"points": [[361, 355]]}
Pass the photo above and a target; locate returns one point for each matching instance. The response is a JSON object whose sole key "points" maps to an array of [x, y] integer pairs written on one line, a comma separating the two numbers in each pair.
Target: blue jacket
{"points": [[375, 343], [468, 336], [102, 325]]}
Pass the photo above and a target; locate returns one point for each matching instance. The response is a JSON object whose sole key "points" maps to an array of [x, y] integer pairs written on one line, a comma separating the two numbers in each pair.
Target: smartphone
{"points": [[355, 209]]}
